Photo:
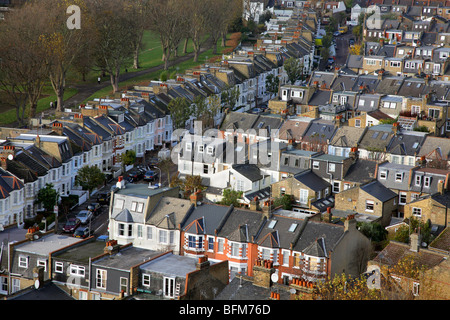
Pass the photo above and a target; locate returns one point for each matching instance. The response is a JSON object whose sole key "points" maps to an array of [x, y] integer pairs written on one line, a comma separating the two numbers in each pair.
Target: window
{"points": [[42, 263], [119, 203], [23, 262], [121, 229], [418, 180], [210, 150], [192, 241], [205, 169], [402, 198], [162, 236], [383, 174], [149, 233], [433, 113], [188, 146], [220, 245], [358, 123], [303, 196], [169, 287], [123, 284], [427, 182], [200, 149], [331, 167], [369, 205], [240, 185], [417, 211], [139, 231], [146, 280], [235, 250], [211, 243], [315, 164], [398, 176], [285, 258], [78, 271], [415, 289], [59, 267], [100, 279], [336, 187]]}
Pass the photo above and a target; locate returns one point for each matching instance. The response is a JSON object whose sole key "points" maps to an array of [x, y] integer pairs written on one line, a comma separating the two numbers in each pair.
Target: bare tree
{"points": [[63, 45], [23, 70], [140, 21], [113, 24], [169, 23]]}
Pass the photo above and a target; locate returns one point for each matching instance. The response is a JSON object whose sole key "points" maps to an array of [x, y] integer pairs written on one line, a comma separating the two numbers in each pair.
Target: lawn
{"points": [[150, 56], [178, 68]]}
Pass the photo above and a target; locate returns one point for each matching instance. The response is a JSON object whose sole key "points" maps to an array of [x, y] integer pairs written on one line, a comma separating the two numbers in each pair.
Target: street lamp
{"points": [[159, 175]]}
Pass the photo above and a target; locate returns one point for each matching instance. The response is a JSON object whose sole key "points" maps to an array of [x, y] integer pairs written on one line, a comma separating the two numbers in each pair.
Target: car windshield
{"points": [[82, 214], [71, 223], [78, 231]]}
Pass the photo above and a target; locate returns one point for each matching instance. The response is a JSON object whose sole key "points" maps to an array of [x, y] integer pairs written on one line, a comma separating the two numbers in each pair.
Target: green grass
{"points": [[9, 117], [179, 68], [149, 57]]}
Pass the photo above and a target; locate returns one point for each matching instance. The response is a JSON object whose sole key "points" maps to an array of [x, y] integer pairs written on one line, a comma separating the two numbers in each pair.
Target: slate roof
{"points": [[378, 191], [241, 225], [435, 147], [323, 128], [238, 120], [406, 143], [293, 129], [377, 137], [362, 171], [207, 217], [312, 180], [347, 137], [250, 171], [169, 213]]}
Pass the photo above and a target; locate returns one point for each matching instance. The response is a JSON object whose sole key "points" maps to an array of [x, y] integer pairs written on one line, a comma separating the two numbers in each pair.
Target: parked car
{"points": [[71, 225], [84, 216], [95, 208], [150, 175], [336, 34], [103, 198], [135, 174], [351, 42], [330, 61], [82, 232]]}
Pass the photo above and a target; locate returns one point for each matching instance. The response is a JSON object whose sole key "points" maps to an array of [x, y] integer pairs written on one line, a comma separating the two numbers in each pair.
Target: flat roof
{"points": [[172, 265], [139, 190], [126, 258], [83, 252], [47, 244]]}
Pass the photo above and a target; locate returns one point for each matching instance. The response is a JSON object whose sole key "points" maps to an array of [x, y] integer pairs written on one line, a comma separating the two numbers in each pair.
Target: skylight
{"points": [[272, 224], [293, 227]]}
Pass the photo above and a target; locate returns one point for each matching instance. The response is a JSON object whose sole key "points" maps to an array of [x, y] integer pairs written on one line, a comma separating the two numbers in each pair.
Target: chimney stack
{"points": [[111, 247], [202, 263], [350, 223], [414, 241], [196, 197], [395, 127], [120, 183]]}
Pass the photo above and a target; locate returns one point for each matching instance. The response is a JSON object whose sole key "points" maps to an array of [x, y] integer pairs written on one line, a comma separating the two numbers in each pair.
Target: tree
{"points": [[343, 287], [23, 71], [192, 184], [48, 197], [230, 97], [140, 13], [356, 49], [285, 201], [293, 68], [63, 46], [374, 231], [166, 165], [129, 157], [403, 233], [116, 33], [89, 178], [197, 24], [180, 112], [170, 23], [231, 197], [272, 83]]}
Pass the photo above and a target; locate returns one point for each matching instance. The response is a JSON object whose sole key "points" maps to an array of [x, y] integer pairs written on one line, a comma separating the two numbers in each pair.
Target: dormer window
{"points": [[188, 147], [200, 149], [399, 177], [418, 181], [427, 182]]}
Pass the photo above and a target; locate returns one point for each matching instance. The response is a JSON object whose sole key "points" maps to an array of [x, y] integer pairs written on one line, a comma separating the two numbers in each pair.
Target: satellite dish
{"points": [[274, 277], [36, 236], [293, 291], [37, 284], [10, 157]]}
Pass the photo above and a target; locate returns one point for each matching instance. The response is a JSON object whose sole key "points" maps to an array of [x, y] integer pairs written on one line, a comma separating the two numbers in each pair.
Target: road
{"points": [[342, 48]]}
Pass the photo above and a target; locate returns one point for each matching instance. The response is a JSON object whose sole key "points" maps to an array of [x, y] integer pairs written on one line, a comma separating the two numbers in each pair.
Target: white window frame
{"points": [[383, 174], [368, 204], [400, 196], [101, 277], [417, 212], [304, 194], [146, 280], [23, 261], [77, 271], [59, 267], [42, 263], [426, 182]]}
